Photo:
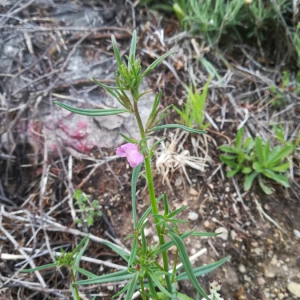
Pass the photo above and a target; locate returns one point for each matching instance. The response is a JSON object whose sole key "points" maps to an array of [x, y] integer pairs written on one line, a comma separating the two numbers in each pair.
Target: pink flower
{"points": [[132, 153]]}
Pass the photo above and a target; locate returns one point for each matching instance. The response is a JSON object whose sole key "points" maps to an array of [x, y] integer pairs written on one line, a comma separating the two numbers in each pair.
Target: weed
{"points": [[90, 209], [257, 160], [194, 109]]}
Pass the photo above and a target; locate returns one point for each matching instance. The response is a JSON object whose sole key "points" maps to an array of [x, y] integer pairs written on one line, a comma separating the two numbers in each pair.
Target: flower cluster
{"points": [[132, 153], [214, 287]]}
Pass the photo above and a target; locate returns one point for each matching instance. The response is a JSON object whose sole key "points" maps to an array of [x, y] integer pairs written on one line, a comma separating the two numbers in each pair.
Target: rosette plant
{"points": [[149, 271]]}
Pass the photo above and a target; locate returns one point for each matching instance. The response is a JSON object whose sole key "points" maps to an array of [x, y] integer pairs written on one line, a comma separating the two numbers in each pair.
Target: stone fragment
{"points": [[242, 269], [294, 288], [193, 216], [223, 233]]}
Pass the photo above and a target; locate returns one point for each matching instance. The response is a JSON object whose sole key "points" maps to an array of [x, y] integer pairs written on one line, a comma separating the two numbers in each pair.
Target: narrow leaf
{"points": [[155, 64], [264, 187], [228, 149], [82, 242], [192, 130], [91, 112], [135, 176], [82, 250], [249, 178], [117, 249], [124, 289], [151, 287], [132, 287], [116, 50], [282, 179], [281, 168], [134, 249], [177, 211], [159, 285], [127, 139], [48, 266], [259, 150], [239, 138], [186, 262], [100, 279], [132, 47], [199, 271], [85, 272]]}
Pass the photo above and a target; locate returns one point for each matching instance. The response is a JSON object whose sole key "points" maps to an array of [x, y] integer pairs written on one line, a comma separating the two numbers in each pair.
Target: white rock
{"points": [[193, 216], [155, 238], [193, 192], [294, 288], [297, 233], [242, 269], [261, 281], [281, 296], [224, 233], [268, 272], [233, 235]]}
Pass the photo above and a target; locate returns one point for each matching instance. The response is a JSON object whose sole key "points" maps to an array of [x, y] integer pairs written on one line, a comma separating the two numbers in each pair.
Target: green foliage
{"points": [[193, 112], [240, 20], [89, 209], [256, 159], [144, 271], [144, 264], [70, 260]]}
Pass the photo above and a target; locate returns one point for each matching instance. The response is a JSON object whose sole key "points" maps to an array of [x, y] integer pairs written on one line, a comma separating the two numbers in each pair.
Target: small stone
{"points": [[223, 233], [227, 189], [155, 238], [280, 296], [173, 249], [110, 287], [261, 281], [258, 251], [254, 244], [147, 231], [209, 225], [274, 261], [269, 273], [297, 233], [294, 288], [242, 269], [193, 192], [233, 235], [178, 181], [193, 216]]}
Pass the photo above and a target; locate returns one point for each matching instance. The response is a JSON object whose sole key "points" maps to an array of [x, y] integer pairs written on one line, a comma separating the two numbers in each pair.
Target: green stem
{"points": [[175, 265], [74, 285], [143, 289], [152, 196]]}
